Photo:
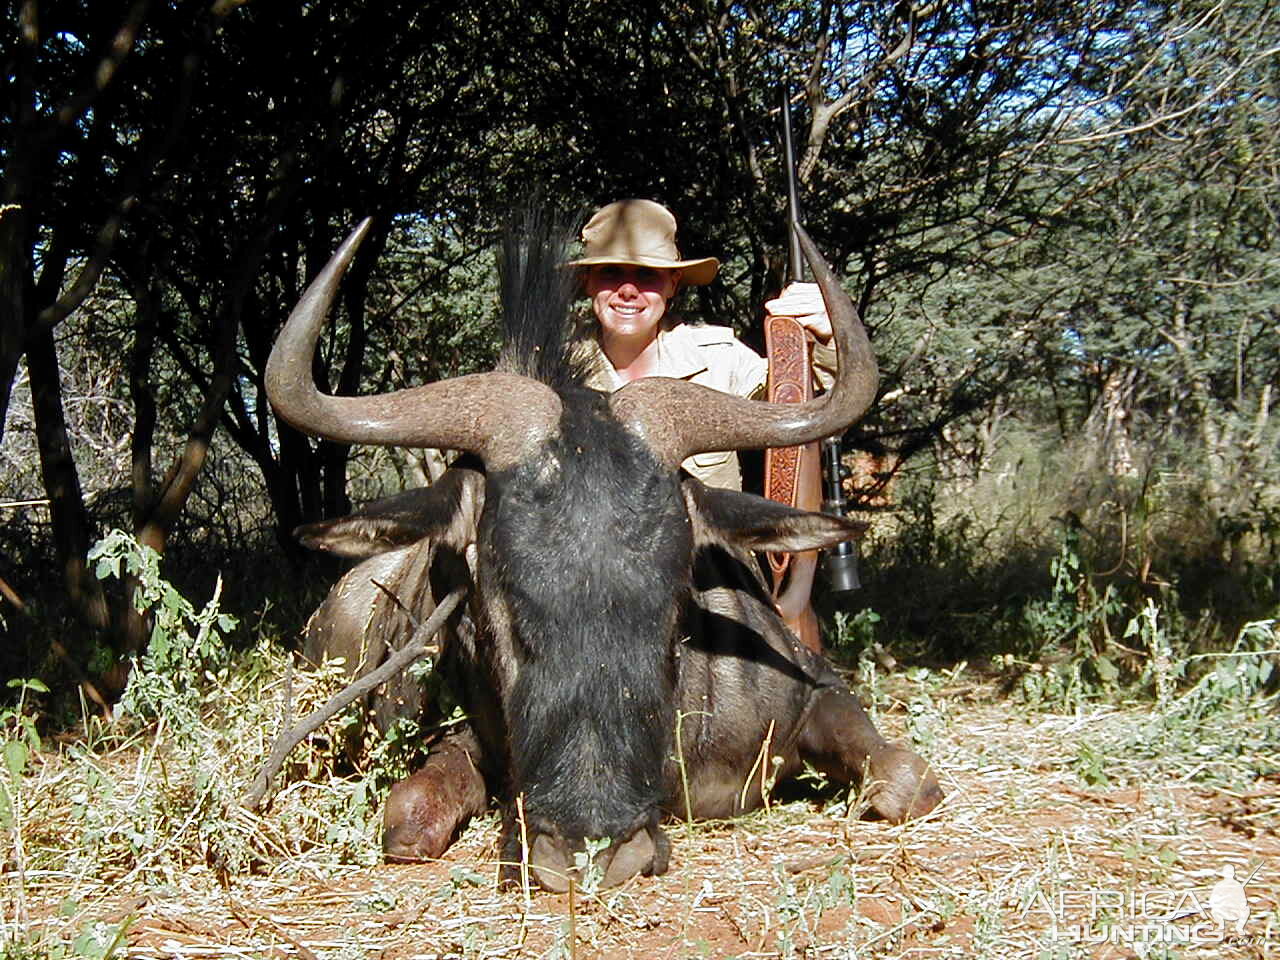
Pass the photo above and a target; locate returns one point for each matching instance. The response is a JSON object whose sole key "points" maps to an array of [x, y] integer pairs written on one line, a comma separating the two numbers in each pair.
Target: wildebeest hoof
{"points": [[425, 812], [900, 785]]}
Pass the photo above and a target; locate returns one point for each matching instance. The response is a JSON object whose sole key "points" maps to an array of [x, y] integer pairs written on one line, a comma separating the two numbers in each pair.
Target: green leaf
{"points": [[159, 645], [1107, 671], [15, 758], [86, 945], [31, 733], [462, 877]]}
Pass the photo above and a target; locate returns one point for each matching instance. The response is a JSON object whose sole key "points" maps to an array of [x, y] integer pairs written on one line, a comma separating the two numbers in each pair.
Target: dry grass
{"points": [[140, 843]]}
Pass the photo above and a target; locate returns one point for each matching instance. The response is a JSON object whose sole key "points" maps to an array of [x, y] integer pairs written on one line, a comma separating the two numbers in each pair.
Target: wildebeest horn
{"points": [[679, 419], [500, 416]]}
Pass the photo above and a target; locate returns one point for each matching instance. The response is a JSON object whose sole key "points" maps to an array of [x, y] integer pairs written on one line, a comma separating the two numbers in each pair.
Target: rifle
{"points": [[840, 563]]}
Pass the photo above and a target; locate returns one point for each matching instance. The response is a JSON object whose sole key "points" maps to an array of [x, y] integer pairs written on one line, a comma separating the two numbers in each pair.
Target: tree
{"points": [[211, 233], [70, 181], [994, 179], [1136, 320]]}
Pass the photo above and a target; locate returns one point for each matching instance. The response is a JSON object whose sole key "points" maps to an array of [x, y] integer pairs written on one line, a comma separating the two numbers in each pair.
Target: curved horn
{"points": [[499, 416], [678, 419]]}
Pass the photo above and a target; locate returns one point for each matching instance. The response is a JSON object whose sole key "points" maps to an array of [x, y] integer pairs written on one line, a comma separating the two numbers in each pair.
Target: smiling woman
{"points": [[629, 302], [631, 268]]}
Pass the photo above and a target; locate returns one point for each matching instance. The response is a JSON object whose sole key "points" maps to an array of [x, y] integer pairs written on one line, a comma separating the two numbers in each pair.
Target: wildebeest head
{"points": [[584, 543]]}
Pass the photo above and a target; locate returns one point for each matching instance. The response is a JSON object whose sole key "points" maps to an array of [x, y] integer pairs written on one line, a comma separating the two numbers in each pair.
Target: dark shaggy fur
{"points": [[588, 547]]}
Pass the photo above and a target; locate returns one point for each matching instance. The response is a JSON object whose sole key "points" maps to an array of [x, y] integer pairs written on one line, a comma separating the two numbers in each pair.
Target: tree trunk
{"points": [[12, 302], [72, 529], [1107, 426]]}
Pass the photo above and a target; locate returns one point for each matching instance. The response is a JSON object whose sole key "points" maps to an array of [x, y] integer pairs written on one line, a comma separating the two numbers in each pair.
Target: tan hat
{"points": [[640, 232]]}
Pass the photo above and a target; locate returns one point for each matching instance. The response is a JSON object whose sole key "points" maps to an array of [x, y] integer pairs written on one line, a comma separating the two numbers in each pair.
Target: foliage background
{"points": [[1060, 221]]}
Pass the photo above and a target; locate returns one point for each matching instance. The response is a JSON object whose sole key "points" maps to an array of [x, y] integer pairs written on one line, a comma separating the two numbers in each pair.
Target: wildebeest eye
{"points": [[549, 471]]}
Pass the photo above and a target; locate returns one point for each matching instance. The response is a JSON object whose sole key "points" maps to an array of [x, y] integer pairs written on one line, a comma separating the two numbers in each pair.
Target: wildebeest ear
{"points": [[359, 537], [401, 519], [730, 516]]}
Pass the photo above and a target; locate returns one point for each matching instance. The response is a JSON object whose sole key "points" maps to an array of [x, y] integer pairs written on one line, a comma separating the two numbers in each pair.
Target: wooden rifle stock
{"points": [[793, 475]]}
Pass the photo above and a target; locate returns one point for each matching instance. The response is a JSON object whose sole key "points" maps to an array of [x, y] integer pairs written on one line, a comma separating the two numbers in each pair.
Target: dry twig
{"points": [[418, 645]]}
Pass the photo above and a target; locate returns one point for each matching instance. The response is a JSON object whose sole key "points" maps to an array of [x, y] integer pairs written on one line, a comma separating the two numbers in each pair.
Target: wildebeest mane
{"points": [[537, 290]]}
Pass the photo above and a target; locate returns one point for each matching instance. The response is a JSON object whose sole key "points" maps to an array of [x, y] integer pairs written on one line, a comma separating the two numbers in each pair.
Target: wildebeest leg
{"points": [[840, 740], [426, 811]]}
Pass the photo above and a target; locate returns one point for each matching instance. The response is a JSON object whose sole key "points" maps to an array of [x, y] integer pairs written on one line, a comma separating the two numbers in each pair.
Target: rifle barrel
{"points": [[795, 260]]}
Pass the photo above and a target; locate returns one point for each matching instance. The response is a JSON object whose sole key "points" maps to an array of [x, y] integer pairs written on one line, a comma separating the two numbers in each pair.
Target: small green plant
{"points": [[1242, 674], [183, 797], [1210, 731], [1075, 616], [185, 646], [351, 834], [1162, 670], [790, 909], [18, 721], [460, 878], [397, 753], [590, 875], [855, 631], [96, 941], [1090, 765], [21, 740], [871, 689], [928, 706]]}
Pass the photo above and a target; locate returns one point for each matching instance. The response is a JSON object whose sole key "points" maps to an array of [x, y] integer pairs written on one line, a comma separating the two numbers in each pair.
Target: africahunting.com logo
{"points": [[1190, 915]]}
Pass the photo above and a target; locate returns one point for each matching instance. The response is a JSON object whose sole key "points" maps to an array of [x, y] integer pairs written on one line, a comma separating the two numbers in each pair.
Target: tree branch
{"points": [[417, 646]]}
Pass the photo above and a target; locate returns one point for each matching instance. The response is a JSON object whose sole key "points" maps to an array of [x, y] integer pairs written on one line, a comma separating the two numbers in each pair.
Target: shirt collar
{"points": [[679, 357], [678, 353]]}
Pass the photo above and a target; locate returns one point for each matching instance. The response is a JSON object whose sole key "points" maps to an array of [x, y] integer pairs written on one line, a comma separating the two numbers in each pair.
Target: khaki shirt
{"points": [[710, 355]]}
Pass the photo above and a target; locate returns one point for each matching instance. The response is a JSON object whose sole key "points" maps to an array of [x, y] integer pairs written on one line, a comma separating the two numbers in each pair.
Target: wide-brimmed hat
{"points": [[642, 233]]}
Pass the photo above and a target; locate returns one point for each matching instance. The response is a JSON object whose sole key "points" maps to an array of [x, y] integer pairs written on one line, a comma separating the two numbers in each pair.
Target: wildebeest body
{"points": [[738, 680], [612, 596]]}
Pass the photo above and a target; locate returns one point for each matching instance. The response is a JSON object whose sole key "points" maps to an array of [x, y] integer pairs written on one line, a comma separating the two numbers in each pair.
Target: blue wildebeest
{"points": [[611, 594]]}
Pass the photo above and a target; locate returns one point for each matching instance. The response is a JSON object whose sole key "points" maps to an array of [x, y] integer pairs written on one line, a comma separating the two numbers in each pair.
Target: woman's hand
{"points": [[803, 301]]}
